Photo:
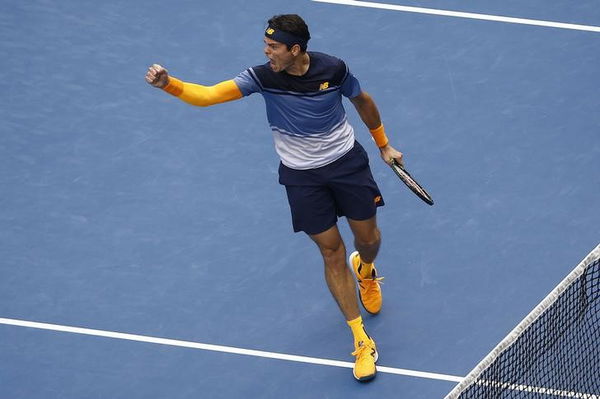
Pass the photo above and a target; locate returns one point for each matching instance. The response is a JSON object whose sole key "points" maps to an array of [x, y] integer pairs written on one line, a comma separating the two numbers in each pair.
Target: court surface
{"points": [[125, 211]]}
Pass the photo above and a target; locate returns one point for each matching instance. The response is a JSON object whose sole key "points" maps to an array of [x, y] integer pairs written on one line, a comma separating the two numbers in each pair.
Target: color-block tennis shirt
{"points": [[306, 115]]}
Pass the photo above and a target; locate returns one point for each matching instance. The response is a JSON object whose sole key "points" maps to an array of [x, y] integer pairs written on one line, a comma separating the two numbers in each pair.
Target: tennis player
{"points": [[325, 171]]}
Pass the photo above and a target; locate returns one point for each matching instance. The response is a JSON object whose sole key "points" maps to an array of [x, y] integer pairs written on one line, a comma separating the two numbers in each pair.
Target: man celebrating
{"points": [[325, 171]]}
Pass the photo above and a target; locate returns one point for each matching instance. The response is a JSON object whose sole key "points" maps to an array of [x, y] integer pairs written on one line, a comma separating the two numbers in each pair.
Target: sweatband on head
{"points": [[285, 37]]}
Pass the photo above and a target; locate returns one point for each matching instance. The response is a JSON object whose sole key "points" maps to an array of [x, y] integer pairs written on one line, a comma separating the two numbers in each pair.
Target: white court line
{"points": [[458, 14], [219, 348]]}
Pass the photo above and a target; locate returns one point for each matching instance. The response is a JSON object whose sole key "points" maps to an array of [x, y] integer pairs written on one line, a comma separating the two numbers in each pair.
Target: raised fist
{"points": [[157, 76]]}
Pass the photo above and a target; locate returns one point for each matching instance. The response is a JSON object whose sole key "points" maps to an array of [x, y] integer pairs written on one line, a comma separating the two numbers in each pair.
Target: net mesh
{"points": [[553, 353]]}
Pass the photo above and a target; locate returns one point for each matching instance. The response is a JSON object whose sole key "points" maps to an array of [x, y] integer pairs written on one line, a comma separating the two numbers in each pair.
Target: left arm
{"points": [[367, 109]]}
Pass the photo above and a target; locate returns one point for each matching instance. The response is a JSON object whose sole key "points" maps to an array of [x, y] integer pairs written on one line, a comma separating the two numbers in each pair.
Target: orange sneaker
{"points": [[369, 290], [366, 356]]}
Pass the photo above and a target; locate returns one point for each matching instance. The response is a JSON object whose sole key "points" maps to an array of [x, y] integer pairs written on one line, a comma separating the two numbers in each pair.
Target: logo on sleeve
{"points": [[324, 86]]}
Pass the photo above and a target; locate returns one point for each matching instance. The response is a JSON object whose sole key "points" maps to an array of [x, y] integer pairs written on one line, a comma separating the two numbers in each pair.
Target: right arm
{"points": [[192, 93]]}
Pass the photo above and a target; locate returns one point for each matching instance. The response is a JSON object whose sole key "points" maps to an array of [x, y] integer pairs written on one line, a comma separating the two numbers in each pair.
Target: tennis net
{"points": [[553, 353]]}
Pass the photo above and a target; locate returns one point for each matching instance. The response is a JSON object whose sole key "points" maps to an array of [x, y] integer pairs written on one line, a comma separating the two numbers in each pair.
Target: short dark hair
{"points": [[291, 23]]}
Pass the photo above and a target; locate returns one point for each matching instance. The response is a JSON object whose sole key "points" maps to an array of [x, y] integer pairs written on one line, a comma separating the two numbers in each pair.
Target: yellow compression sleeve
{"points": [[203, 96]]}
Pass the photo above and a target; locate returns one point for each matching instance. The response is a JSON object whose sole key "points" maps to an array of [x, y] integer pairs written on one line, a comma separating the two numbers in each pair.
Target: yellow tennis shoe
{"points": [[369, 290], [366, 356]]}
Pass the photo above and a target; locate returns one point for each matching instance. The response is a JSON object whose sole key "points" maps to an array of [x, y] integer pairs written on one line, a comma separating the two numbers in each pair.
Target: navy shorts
{"points": [[319, 196]]}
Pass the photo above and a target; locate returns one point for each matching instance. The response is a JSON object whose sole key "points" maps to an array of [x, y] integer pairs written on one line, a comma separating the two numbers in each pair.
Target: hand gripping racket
{"points": [[411, 182]]}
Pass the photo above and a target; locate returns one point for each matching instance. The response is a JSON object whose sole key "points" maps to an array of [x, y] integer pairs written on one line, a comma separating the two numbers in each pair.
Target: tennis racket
{"points": [[411, 182]]}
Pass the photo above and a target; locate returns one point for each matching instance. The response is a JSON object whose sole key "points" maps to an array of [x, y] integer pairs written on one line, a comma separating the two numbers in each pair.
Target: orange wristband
{"points": [[174, 87], [379, 136]]}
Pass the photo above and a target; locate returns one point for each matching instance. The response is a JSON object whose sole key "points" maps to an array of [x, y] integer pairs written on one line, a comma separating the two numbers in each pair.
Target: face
{"points": [[278, 54]]}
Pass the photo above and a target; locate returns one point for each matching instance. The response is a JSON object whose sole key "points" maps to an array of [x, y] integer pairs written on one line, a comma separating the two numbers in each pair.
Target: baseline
{"points": [[220, 348]]}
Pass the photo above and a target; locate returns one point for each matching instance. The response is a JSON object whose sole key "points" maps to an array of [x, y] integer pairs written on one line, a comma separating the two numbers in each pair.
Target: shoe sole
{"points": [[367, 378], [359, 295]]}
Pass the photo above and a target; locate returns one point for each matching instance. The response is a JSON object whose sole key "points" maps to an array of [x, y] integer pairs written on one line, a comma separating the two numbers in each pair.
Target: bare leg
{"points": [[367, 238], [340, 280], [342, 285]]}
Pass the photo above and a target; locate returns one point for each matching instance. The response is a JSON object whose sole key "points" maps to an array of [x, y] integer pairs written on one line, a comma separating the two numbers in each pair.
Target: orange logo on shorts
{"points": [[378, 199]]}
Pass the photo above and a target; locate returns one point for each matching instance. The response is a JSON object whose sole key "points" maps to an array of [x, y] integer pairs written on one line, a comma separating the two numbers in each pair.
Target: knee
{"points": [[334, 256], [330, 253], [371, 240]]}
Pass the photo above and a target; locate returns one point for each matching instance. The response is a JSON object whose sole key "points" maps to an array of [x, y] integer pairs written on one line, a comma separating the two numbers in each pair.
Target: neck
{"points": [[300, 65]]}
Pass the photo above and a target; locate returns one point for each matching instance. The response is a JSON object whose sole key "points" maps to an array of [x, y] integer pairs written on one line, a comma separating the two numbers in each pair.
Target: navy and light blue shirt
{"points": [[306, 115]]}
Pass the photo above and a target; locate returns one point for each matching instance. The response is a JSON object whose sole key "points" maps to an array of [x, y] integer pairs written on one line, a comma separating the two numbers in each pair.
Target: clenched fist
{"points": [[157, 76]]}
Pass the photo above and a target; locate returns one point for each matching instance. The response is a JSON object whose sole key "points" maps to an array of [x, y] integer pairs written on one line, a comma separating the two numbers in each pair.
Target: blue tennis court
{"points": [[160, 230]]}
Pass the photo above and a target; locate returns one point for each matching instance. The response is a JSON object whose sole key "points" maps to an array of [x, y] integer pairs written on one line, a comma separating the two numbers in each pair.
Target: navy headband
{"points": [[285, 37]]}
